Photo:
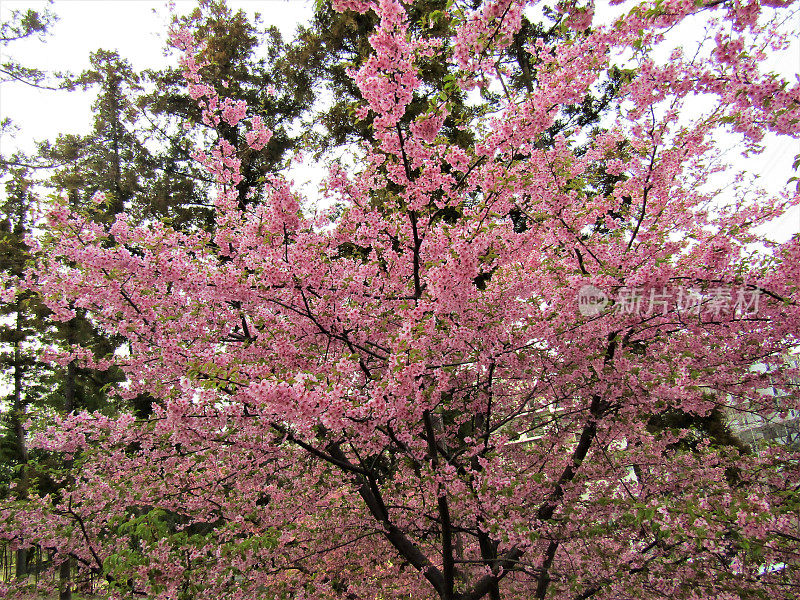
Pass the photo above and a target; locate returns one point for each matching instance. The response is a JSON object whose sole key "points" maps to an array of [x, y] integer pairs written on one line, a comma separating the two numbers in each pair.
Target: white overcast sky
{"points": [[137, 29]]}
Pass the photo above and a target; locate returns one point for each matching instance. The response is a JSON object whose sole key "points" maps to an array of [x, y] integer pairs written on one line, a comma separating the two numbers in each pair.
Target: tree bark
{"points": [[18, 409], [21, 569], [65, 584]]}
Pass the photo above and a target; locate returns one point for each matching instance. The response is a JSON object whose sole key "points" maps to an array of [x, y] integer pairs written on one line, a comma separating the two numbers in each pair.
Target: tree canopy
{"points": [[499, 365]]}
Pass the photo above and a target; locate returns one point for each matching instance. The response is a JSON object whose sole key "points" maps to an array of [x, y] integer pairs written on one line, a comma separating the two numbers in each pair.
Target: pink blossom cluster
{"points": [[259, 136]]}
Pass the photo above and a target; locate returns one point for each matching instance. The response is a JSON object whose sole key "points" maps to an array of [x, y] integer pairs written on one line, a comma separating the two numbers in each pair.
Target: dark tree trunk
{"points": [[22, 563], [19, 405], [65, 584]]}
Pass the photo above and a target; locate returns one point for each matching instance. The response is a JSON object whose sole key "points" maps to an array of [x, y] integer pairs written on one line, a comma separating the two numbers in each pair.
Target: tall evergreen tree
{"points": [[241, 60], [21, 326], [22, 24], [111, 158]]}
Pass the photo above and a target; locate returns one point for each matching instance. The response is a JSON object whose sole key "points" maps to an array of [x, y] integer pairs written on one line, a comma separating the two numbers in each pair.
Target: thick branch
{"points": [[370, 493], [448, 566]]}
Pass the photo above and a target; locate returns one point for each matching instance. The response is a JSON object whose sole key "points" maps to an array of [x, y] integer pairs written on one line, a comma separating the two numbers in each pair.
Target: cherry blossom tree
{"points": [[412, 394]]}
